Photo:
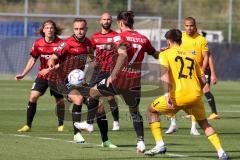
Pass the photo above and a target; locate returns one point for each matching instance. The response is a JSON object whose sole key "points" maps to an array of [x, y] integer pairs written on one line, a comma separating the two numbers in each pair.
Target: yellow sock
{"points": [[214, 139], [193, 119], [156, 131]]}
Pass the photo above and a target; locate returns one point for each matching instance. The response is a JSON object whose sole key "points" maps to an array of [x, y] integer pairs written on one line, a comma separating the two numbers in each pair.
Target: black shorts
{"points": [[207, 74], [98, 76], [130, 96], [41, 86]]}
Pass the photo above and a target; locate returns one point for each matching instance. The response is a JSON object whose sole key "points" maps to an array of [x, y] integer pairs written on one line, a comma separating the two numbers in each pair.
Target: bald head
{"points": [[106, 15], [106, 21]]}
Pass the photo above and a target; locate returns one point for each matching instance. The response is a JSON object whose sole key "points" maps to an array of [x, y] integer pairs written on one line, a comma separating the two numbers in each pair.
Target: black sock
{"points": [[211, 102], [103, 125], [60, 113], [92, 110], [31, 110], [114, 109], [76, 116], [138, 124]]}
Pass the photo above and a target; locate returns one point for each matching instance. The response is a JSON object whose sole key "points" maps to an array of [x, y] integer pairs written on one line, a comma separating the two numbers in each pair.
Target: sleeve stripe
{"points": [[36, 57]]}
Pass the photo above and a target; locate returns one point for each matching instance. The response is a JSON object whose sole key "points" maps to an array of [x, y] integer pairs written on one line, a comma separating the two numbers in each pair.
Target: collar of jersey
{"points": [[50, 42]]}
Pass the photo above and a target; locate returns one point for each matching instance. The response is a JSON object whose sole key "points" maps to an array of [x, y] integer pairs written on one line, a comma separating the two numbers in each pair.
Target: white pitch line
{"points": [[46, 138], [20, 135], [176, 155], [54, 139]]}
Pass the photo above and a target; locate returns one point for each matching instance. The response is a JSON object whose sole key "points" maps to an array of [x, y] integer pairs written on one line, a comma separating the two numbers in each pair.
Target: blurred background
{"points": [[220, 19]]}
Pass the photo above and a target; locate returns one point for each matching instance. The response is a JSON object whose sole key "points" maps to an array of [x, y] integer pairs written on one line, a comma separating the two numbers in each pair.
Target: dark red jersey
{"points": [[137, 44], [44, 50], [103, 45], [73, 54]]}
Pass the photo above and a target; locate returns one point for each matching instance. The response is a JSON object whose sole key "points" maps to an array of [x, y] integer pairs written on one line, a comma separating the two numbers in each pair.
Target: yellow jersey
{"points": [[184, 74], [196, 45]]}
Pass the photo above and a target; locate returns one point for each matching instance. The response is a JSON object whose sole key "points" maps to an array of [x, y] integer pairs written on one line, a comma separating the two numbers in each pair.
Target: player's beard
{"points": [[80, 37], [106, 26]]}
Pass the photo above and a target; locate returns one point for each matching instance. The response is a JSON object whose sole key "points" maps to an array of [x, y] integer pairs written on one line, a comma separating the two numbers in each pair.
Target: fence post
{"points": [[179, 14], [78, 7], [229, 21], [129, 7], [25, 18]]}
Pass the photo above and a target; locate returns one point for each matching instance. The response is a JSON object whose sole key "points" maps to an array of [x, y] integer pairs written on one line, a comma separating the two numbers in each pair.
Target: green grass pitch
{"points": [[44, 142]]}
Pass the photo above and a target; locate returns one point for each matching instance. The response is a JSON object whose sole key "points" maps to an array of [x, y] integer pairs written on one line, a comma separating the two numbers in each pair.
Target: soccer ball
{"points": [[76, 77]]}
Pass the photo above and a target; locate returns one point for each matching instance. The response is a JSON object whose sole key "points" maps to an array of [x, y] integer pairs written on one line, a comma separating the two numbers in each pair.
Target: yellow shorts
{"points": [[195, 108]]}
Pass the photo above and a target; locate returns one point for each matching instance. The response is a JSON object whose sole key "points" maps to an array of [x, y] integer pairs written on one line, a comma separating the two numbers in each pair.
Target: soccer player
{"points": [[210, 78], [77, 45], [102, 44], [197, 45], [183, 81], [42, 48], [125, 78]]}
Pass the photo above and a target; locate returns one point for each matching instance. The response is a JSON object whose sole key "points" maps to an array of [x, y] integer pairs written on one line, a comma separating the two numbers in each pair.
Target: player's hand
{"points": [[213, 79], [19, 77], [164, 48], [110, 80], [45, 71], [51, 63]]}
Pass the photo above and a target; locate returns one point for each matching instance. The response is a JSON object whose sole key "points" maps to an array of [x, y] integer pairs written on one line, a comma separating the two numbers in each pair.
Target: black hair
{"points": [[80, 20], [126, 17], [174, 35], [204, 34]]}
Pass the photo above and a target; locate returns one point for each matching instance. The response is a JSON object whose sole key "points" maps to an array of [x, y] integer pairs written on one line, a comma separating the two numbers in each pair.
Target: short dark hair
{"points": [[204, 34], [127, 17], [191, 19], [174, 35], [80, 20], [58, 30]]}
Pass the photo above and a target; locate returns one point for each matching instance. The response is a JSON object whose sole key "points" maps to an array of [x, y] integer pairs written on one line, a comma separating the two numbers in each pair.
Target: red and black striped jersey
{"points": [[136, 44], [44, 50], [73, 54], [104, 50]]}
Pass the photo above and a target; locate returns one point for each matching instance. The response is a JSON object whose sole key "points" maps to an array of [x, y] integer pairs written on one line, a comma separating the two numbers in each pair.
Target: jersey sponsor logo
{"points": [[109, 40], [193, 52], [104, 46], [116, 38], [45, 56]]}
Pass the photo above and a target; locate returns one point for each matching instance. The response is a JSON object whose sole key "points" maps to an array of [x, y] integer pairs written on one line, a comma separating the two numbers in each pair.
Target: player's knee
{"points": [[150, 109], [207, 128], [33, 98], [100, 109], [206, 88], [204, 124], [76, 99]]}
